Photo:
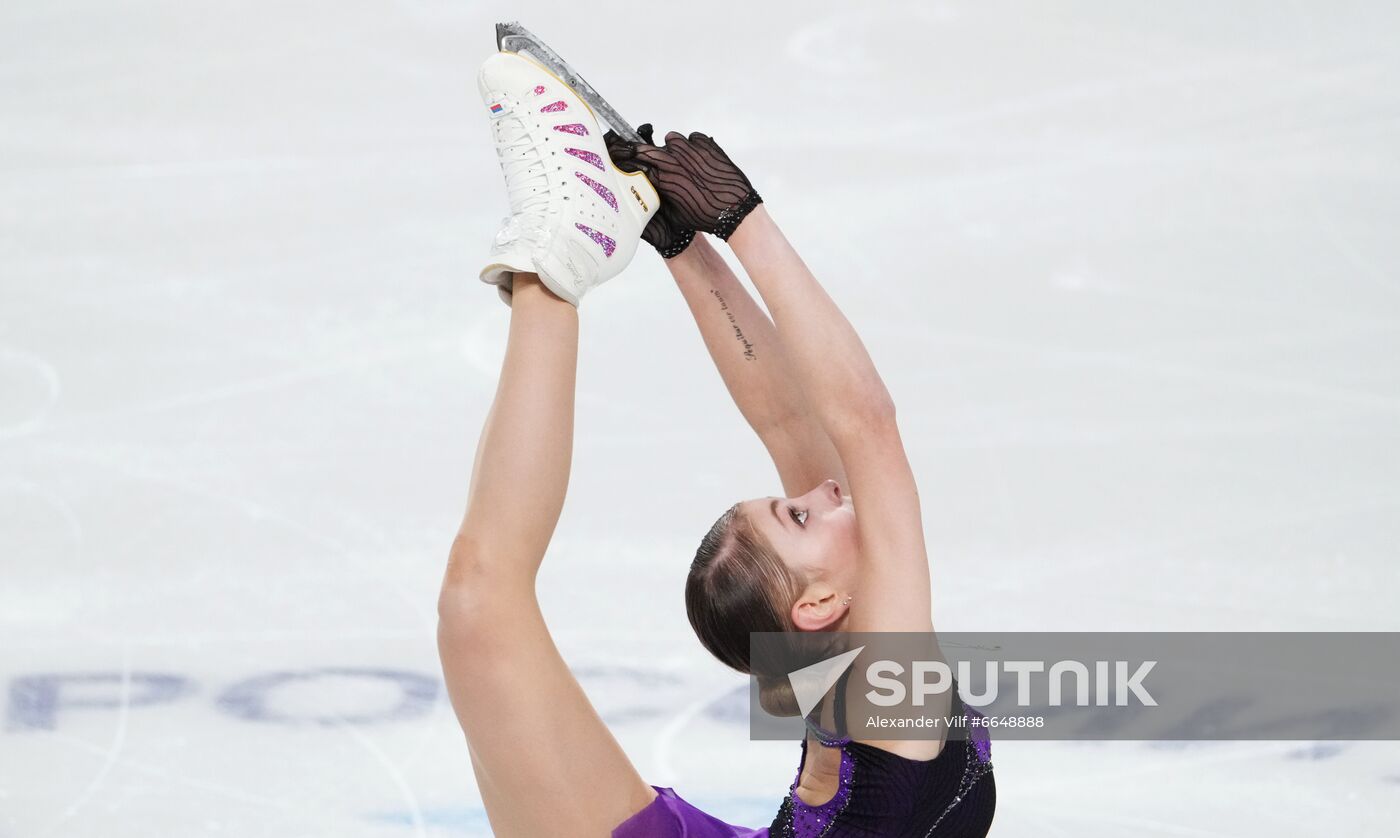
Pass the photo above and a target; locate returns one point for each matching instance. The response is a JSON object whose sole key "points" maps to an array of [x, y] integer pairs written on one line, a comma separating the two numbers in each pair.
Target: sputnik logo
{"points": [[810, 683]]}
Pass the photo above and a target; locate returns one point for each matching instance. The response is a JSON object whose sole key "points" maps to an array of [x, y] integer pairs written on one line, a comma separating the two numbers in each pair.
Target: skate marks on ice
{"points": [[110, 757], [396, 775], [857, 44], [36, 520], [31, 387], [274, 522], [207, 393], [856, 48], [1364, 265], [665, 750]]}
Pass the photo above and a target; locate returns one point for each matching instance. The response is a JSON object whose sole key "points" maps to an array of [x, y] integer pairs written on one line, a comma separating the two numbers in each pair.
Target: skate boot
{"points": [[575, 218]]}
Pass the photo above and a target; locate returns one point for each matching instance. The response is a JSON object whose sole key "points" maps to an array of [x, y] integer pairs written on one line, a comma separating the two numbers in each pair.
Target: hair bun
{"points": [[776, 697]]}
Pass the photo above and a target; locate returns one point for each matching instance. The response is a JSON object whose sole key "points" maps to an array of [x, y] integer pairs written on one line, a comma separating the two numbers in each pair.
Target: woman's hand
{"points": [[704, 189], [665, 232]]}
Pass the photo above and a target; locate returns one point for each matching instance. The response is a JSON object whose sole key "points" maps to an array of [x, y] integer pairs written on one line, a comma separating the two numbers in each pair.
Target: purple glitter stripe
{"points": [[587, 157], [981, 738], [607, 244], [603, 192], [983, 744], [554, 107], [572, 128]]}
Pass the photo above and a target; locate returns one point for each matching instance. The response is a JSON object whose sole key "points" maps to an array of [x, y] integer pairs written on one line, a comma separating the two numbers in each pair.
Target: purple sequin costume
{"points": [[879, 795]]}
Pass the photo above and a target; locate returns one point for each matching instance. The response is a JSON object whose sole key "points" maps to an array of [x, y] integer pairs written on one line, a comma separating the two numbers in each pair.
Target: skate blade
{"points": [[512, 37]]}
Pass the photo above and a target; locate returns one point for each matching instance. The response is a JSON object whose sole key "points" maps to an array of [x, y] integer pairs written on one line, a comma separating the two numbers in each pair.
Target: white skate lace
{"points": [[518, 151]]}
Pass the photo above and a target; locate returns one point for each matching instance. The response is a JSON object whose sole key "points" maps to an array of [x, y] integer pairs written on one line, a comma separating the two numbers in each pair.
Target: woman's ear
{"points": [[817, 608]]}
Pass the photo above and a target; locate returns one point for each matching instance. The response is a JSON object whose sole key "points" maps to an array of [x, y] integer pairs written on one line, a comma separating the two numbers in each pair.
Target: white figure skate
{"points": [[575, 218]]}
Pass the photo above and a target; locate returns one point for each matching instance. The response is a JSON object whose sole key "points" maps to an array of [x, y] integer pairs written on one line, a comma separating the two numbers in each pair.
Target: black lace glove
{"points": [[703, 187], [664, 232]]}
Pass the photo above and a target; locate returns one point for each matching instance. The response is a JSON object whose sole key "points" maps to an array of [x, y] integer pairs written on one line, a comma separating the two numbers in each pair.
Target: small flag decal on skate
{"points": [[497, 109]]}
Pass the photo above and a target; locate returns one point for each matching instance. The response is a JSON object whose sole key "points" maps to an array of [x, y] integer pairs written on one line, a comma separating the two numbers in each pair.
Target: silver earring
{"points": [[846, 601]]}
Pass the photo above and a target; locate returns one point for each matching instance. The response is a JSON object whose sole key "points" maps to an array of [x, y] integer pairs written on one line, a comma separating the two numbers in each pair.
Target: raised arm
{"points": [[760, 378], [832, 367], [741, 341], [854, 407], [828, 357]]}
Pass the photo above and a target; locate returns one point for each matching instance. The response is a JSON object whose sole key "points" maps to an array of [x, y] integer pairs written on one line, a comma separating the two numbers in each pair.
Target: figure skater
{"points": [[545, 763]]}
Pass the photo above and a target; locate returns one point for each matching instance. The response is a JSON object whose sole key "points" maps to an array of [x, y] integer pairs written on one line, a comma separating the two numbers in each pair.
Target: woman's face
{"points": [[815, 534]]}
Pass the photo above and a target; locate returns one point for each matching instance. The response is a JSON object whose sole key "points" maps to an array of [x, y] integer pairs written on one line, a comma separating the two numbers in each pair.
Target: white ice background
{"points": [[1131, 271]]}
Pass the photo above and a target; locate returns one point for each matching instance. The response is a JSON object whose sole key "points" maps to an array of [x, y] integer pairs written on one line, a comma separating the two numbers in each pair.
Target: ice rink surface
{"points": [[1131, 272]]}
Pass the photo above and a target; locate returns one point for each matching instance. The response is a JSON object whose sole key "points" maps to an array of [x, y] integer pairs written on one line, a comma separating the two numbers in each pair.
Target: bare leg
{"points": [[545, 763]]}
